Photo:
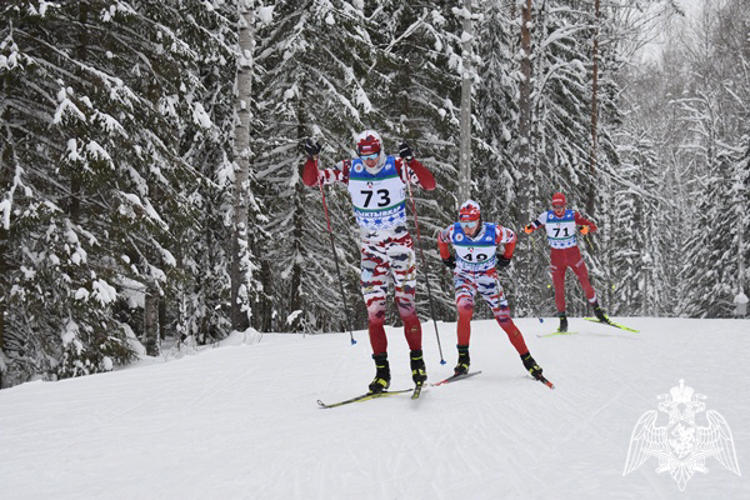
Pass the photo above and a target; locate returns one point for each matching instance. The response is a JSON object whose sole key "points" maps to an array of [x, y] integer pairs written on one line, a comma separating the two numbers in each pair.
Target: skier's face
{"points": [[370, 160], [470, 227], [559, 210]]}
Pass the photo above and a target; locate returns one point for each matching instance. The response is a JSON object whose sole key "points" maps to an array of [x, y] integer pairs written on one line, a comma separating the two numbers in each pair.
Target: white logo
{"points": [[681, 446], [358, 168]]}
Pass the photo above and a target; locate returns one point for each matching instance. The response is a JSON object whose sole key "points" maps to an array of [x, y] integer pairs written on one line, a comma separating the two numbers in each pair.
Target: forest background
{"points": [[150, 157]]}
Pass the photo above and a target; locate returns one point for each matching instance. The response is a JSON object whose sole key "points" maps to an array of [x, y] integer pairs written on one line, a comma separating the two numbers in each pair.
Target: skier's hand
{"points": [[584, 230], [312, 148], [450, 262], [405, 152], [528, 229], [502, 261]]}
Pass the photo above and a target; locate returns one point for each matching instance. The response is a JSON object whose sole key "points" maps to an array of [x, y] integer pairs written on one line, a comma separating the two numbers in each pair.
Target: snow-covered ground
{"points": [[241, 422]]}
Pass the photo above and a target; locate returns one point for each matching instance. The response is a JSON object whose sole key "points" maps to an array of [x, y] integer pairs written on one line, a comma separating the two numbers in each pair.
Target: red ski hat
{"points": [[368, 142], [469, 211], [558, 199]]}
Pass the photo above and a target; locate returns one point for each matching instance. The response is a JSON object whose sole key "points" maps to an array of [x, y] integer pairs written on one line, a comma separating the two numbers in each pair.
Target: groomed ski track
{"points": [[241, 421]]}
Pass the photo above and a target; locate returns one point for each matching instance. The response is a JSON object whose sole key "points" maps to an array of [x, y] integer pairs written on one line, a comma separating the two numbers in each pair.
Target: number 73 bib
{"points": [[379, 200]]}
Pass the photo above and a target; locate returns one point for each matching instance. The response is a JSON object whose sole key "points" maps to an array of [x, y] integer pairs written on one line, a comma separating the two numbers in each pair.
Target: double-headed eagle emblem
{"points": [[681, 446]]}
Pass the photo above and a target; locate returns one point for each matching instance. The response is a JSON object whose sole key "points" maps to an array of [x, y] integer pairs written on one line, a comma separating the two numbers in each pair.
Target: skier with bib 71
{"points": [[475, 244], [564, 252], [377, 185]]}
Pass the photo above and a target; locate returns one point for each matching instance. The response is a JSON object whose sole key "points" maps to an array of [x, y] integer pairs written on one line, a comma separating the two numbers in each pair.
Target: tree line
{"points": [[150, 157]]}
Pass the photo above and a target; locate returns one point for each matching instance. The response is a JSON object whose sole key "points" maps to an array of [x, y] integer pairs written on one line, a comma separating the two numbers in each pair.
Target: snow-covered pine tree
{"points": [[315, 57], [93, 202]]}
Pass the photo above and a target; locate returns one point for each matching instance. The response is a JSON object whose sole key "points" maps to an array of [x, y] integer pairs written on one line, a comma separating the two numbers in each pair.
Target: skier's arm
{"points": [[444, 238], [535, 224], [418, 173], [311, 176], [587, 224], [505, 236]]}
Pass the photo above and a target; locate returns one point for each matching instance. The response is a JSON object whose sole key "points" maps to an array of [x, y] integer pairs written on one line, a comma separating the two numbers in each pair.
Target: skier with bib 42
{"points": [[564, 253], [377, 185], [475, 243]]}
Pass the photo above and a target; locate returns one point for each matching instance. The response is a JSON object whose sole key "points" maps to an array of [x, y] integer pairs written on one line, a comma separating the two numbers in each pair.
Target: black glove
{"points": [[312, 148], [405, 152], [502, 261], [450, 262]]}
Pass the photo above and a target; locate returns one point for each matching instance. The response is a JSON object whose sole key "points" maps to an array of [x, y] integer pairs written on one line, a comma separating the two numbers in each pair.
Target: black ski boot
{"points": [[462, 368], [382, 380], [599, 313], [530, 364], [563, 322], [418, 369]]}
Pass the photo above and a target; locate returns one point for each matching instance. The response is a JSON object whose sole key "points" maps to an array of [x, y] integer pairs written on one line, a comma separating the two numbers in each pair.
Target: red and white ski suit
{"points": [[564, 251], [475, 272], [387, 248]]}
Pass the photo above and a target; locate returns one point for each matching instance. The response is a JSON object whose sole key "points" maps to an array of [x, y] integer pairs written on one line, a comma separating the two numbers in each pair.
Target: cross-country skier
{"points": [[377, 184], [561, 235], [475, 243]]}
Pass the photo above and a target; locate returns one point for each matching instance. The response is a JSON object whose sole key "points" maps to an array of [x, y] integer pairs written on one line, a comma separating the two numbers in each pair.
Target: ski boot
{"points": [[599, 313], [382, 380], [563, 322], [462, 368], [418, 369], [530, 364]]}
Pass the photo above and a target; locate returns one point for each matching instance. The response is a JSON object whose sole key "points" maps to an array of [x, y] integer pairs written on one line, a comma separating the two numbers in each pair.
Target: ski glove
{"points": [[405, 152], [528, 229], [502, 261], [312, 148], [584, 230], [450, 262]]}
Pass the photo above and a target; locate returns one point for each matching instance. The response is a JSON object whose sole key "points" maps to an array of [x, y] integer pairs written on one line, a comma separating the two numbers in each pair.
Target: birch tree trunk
{"points": [[151, 321], [242, 153], [464, 176]]}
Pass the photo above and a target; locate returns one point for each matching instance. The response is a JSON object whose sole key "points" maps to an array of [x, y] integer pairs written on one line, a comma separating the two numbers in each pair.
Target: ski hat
{"points": [[469, 211], [558, 199], [368, 142]]}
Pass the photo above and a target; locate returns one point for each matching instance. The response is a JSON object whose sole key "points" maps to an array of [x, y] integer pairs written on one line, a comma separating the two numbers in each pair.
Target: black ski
{"points": [[363, 397], [453, 378]]}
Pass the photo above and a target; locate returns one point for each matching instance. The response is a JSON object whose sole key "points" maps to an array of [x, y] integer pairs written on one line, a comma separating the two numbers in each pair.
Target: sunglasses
{"points": [[373, 156], [469, 224], [558, 207]]}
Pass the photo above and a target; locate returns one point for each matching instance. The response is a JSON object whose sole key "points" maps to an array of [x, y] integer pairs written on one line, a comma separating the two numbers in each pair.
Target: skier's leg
{"points": [[465, 291], [557, 269], [579, 267], [374, 284], [403, 269], [494, 295]]}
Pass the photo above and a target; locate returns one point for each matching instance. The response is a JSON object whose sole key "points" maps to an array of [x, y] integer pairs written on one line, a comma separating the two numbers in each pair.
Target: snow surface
{"points": [[241, 421]]}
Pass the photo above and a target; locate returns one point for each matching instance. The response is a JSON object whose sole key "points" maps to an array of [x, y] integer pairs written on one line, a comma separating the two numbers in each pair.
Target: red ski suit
{"points": [[564, 251]]}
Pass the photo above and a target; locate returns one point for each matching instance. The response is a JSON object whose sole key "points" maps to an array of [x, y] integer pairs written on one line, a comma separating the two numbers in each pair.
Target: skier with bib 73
{"points": [[475, 244], [377, 185], [564, 253]]}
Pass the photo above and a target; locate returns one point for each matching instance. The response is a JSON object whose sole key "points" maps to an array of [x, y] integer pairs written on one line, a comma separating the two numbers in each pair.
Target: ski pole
{"points": [[421, 255], [335, 257]]}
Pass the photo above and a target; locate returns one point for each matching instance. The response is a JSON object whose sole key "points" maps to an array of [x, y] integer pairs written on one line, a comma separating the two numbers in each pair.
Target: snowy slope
{"points": [[241, 422]]}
